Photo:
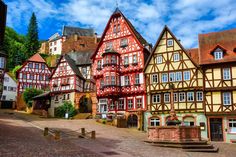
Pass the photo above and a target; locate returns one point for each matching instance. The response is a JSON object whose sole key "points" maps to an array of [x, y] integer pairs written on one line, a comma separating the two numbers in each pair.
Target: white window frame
{"points": [[178, 76], [121, 105], [180, 95], [130, 105], [124, 42], [218, 54], [187, 75], [139, 102], [199, 96], [126, 60], [109, 45], [112, 106], [159, 59], [154, 78], [167, 97], [156, 98], [113, 80], [135, 60], [226, 74], [127, 82], [164, 77], [232, 125], [176, 57], [176, 97], [190, 96], [227, 98], [172, 75], [137, 80], [170, 42], [155, 121]]}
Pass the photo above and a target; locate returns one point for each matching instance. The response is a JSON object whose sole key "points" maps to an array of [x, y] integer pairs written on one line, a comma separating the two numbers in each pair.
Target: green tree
{"points": [[32, 41], [15, 70], [67, 107], [28, 95]]}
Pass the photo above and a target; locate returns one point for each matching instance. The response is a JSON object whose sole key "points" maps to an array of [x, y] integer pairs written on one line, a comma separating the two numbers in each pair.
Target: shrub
{"points": [[61, 110], [28, 95]]}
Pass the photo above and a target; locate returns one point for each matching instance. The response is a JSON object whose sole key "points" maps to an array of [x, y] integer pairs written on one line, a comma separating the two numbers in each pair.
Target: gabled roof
{"points": [[81, 57], [117, 12], [68, 31], [36, 58], [226, 40], [166, 29], [71, 63]]}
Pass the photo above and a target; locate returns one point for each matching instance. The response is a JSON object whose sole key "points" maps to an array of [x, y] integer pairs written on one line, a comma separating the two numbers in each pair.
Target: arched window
{"points": [[189, 121], [154, 121]]}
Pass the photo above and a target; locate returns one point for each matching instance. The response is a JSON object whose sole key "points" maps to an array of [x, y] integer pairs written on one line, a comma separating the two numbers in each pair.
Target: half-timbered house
{"points": [[118, 64], [34, 73], [217, 57], [172, 74]]}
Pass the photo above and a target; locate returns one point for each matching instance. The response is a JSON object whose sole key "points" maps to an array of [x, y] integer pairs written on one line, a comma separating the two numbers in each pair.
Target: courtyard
{"points": [[22, 135]]}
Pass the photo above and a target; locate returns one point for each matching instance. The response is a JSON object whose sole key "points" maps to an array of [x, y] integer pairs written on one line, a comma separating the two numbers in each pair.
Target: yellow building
{"points": [[170, 65], [217, 57]]}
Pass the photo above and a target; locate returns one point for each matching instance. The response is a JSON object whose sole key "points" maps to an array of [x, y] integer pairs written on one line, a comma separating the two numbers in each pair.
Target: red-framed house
{"points": [[34, 73], [118, 64]]}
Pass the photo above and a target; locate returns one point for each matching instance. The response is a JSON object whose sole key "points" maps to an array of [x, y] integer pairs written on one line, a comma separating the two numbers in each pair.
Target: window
{"points": [[101, 83], [114, 29], [31, 76], [164, 77], [156, 98], [118, 28], [43, 66], [172, 77], [154, 78], [178, 76], [64, 97], [188, 121], [47, 78], [109, 46], [186, 75], [55, 42], [68, 96], [176, 57], [226, 74], [40, 77], [2, 62], [170, 42], [190, 96], [124, 42], [107, 80], [167, 97], [227, 98], [24, 76], [130, 103], [181, 97], [121, 104], [36, 66], [232, 125], [135, 58], [199, 96], [112, 105], [6, 79], [113, 59], [55, 48], [154, 121], [113, 80], [159, 59], [218, 54], [126, 80], [10, 88], [137, 79], [3, 97], [99, 65], [4, 87], [139, 102], [50, 50], [30, 65], [175, 97], [56, 98], [126, 60], [106, 60]]}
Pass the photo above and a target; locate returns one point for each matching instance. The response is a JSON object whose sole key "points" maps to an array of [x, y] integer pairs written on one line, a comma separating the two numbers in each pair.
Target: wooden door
{"points": [[132, 121], [216, 129]]}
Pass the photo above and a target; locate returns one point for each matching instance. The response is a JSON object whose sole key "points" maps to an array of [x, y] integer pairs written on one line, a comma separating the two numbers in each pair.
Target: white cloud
{"points": [[186, 18]]}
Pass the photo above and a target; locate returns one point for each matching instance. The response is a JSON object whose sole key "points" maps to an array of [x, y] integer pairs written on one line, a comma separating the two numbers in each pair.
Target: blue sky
{"points": [[186, 18]]}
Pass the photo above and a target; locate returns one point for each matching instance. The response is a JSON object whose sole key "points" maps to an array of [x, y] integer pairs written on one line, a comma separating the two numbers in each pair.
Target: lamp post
{"points": [[3, 56]]}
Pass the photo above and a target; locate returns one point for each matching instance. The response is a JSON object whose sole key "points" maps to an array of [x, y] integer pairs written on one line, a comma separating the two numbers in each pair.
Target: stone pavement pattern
{"points": [[110, 141]]}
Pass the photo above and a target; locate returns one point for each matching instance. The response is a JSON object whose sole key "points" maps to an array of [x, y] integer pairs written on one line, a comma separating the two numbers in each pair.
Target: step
{"points": [[206, 146], [177, 142], [213, 150]]}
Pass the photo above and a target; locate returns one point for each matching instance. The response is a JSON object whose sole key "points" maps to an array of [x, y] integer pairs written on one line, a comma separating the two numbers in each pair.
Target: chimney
{"points": [[95, 38]]}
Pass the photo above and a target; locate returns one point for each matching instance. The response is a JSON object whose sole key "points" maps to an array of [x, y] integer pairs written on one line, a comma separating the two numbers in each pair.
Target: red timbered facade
{"points": [[34, 73], [118, 64]]}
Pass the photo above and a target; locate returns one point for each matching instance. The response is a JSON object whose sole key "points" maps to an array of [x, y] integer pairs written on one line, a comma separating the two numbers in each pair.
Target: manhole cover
{"points": [[110, 153]]}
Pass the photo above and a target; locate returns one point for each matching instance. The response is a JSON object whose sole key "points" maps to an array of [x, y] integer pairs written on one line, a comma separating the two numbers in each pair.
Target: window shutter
{"points": [[141, 78]]}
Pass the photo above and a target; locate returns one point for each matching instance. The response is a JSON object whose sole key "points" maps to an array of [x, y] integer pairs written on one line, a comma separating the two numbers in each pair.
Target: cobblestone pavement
{"points": [[110, 141]]}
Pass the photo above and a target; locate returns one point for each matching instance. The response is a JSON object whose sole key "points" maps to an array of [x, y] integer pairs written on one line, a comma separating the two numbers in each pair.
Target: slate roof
{"points": [[68, 31], [36, 58], [80, 57], [73, 66], [210, 41]]}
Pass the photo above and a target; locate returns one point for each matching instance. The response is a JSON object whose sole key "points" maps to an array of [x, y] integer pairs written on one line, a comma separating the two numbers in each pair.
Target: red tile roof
{"points": [[36, 58], [210, 41], [194, 54]]}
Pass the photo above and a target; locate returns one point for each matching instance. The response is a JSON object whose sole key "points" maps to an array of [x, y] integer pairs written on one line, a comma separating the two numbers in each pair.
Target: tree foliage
{"points": [[15, 70], [67, 107], [32, 41], [28, 95]]}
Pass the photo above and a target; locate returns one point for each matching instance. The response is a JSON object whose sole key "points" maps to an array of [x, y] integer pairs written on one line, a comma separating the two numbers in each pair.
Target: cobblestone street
{"points": [[22, 135]]}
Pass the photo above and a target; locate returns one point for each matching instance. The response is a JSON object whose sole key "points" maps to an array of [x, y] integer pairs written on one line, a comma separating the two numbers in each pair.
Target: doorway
{"points": [[132, 121], [216, 129]]}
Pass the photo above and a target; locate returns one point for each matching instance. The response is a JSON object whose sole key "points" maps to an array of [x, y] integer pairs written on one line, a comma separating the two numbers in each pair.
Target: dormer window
{"points": [[109, 46], [218, 54]]}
